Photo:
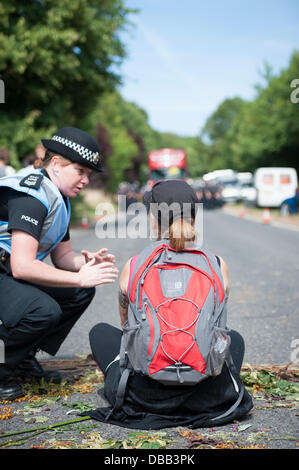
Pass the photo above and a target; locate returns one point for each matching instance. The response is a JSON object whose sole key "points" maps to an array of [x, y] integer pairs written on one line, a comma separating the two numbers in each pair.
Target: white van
{"points": [[274, 185], [220, 175], [228, 180]]}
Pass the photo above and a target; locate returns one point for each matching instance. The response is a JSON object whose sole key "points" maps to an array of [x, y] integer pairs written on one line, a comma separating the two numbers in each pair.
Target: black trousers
{"points": [[36, 317], [105, 344]]}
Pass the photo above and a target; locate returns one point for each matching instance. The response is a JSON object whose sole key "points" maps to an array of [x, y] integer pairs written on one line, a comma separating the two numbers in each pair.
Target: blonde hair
{"points": [[181, 231], [45, 161]]}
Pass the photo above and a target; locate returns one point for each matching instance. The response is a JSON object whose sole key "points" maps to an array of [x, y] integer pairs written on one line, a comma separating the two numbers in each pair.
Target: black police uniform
{"points": [[32, 316]]}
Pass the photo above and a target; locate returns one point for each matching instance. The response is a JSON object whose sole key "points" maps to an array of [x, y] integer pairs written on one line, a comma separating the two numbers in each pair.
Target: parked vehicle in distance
{"points": [[247, 189], [274, 185], [248, 193], [291, 205], [218, 176], [245, 177], [231, 191], [228, 181]]}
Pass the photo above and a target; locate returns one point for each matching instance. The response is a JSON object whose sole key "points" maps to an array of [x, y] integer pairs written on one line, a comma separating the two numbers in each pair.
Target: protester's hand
{"points": [[92, 274], [101, 256]]}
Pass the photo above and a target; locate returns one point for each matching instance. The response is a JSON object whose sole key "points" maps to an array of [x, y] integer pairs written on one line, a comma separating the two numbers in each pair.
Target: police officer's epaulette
{"points": [[32, 181]]}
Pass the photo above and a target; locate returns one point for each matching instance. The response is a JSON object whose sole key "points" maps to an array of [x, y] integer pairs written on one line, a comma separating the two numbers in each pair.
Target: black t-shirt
{"points": [[23, 212]]}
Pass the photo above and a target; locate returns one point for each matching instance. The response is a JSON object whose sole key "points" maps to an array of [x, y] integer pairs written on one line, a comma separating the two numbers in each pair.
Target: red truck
{"points": [[167, 164]]}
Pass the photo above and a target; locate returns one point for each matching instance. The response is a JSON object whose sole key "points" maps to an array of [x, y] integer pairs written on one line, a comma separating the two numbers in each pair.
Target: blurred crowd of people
{"points": [[28, 161], [208, 194], [5, 168]]}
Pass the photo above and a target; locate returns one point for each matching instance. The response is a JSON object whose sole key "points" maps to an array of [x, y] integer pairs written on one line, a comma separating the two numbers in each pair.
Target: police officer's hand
{"points": [[100, 256], [92, 274]]}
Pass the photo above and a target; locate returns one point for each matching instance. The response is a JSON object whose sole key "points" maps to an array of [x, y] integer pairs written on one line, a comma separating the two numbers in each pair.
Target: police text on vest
{"points": [[29, 219]]}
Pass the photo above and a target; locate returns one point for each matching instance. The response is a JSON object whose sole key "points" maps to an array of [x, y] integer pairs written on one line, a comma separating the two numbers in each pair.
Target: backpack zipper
{"points": [[148, 268], [143, 316]]}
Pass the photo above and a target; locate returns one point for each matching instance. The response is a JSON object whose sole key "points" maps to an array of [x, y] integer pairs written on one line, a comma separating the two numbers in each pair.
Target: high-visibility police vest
{"points": [[55, 225]]}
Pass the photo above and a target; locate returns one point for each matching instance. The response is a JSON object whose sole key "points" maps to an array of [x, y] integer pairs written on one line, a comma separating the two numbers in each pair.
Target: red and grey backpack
{"points": [[176, 328]]}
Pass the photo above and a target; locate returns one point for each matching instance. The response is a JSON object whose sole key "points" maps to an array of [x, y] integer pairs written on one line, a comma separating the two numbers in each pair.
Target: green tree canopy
{"points": [[266, 132], [55, 58], [216, 132], [245, 135], [220, 122]]}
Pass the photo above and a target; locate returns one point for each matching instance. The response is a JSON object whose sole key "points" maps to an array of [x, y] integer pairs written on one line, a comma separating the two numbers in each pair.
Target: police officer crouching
{"points": [[40, 303]]}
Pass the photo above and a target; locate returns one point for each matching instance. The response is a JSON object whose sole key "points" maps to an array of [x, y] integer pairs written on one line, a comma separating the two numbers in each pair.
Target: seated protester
{"points": [[182, 375]]}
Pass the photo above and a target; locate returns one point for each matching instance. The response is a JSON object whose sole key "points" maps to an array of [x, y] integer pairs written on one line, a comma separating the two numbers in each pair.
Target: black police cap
{"points": [[77, 146]]}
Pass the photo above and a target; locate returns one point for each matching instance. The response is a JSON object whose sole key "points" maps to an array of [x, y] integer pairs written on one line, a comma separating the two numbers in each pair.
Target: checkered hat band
{"points": [[85, 153]]}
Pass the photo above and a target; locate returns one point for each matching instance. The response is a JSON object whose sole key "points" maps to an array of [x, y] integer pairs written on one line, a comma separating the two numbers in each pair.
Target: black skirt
{"points": [[149, 404]]}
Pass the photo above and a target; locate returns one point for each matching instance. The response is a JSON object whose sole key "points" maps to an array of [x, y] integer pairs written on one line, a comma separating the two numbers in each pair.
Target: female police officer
{"points": [[40, 303]]}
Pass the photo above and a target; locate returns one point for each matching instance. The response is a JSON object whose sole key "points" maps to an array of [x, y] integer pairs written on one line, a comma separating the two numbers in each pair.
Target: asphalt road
{"points": [[263, 261]]}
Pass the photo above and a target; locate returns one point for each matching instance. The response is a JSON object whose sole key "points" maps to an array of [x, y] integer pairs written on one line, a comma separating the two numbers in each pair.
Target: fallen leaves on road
{"points": [[275, 385], [287, 371], [217, 440], [6, 413], [135, 440], [83, 383], [272, 384]]}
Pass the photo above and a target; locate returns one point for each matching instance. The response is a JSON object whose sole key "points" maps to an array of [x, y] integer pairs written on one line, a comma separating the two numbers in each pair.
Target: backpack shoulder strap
{"points": [[144, 259], [125, 371], [239, 389], [121, 389]]}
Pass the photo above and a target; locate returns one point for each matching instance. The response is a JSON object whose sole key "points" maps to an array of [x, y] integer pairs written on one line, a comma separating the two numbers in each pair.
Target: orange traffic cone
{"points": [[241, 212], [84, 221], [266, 216]]}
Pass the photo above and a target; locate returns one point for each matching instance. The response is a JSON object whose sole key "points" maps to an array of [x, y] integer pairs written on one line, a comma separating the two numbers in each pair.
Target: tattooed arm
{"points": [[123, 301]]}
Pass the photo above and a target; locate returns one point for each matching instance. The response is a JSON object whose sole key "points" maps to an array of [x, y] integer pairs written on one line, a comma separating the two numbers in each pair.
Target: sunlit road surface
{"points": [[263, 261]]}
